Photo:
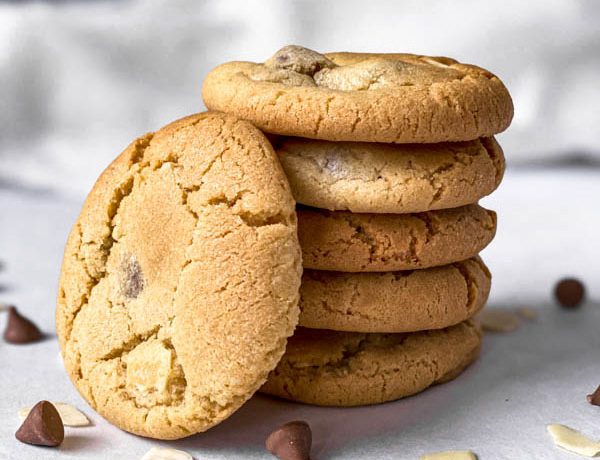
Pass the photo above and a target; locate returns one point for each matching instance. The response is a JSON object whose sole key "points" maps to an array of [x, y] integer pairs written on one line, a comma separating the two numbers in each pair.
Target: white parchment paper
{"points": [[540, 374]]}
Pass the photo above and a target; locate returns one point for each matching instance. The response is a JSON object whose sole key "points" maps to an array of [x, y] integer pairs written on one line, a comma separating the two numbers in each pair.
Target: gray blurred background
{"points": [[80, 79]]}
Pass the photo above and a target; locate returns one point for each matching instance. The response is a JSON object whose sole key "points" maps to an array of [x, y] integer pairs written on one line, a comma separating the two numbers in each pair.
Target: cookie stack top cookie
{"points": [[369, 97]]}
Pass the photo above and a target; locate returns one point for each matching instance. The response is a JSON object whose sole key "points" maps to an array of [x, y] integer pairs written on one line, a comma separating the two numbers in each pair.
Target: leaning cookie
{"points": [[387, 178], [405, 301], [398, 98], [329, 368], [186, 240], [348, 242]]}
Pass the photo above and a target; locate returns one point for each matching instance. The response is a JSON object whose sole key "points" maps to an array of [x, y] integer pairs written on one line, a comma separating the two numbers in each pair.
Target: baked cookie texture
{"points": [[392, 98], [180, 279], [388, 178], [404, 301], [348, 242], [329, 368]]}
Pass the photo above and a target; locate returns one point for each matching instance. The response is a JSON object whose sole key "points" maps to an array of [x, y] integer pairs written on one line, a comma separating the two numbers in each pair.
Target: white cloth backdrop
{"points": [[80, 80]]}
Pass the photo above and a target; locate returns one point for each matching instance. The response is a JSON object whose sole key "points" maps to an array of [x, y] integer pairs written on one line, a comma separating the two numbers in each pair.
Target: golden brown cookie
{"points": [[348, 242], [180, 279], [387, 178], [397, 98], [404, 301], [329, 368]]}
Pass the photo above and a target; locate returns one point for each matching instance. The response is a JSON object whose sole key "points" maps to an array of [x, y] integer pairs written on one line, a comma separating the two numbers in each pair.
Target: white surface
{"points": [[499, 408], [80, 80]]}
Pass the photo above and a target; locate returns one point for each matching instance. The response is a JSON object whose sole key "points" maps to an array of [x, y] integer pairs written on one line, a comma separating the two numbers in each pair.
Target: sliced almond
{"points": [[159, 453], [573, 441], [527, 313], [69, 415], [499, 320], [450, 455]]}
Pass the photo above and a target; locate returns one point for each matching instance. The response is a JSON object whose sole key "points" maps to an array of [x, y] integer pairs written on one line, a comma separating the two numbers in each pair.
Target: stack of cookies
{"points": [[387, 156]]}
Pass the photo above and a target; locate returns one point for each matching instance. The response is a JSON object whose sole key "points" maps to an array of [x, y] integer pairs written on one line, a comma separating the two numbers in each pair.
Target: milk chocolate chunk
{"points": [[20, 330], [569, 292], [291, 441], [299, 59], [133, 278], [594, 398], [42, 427]]}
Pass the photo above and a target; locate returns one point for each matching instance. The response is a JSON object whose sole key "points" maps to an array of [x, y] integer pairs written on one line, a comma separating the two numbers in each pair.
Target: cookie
{"points": [[392, 98], [180, 278], [330, 368], [387, 178], [348, 242], [404, 301]]}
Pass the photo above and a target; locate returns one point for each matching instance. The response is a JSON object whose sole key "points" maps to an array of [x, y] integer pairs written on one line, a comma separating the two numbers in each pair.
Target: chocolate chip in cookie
{"points": [[133, 279], [299, 59]]}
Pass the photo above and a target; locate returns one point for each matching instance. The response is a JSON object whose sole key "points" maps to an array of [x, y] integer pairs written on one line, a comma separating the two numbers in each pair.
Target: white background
{"points": [[80, 80]]}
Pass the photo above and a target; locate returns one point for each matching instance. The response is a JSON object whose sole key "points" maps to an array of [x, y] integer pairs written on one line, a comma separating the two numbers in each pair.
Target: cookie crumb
{"points": [[70, 415], [450, 455], [499, 320], [160, 453], [569, 292], [573, 441]]}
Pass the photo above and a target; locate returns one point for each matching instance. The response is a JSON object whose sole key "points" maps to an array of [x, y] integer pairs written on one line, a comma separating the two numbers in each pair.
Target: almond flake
{"points": [[499, 320], [450, 455], [69, 415], [159, 453], [573, 441]]}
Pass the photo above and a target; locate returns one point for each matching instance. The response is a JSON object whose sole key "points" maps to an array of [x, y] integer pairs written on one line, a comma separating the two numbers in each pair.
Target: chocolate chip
{"points": [[42, 427], [299, 59], [19, 329], [569, 292], [291, 441], [594, 398]]}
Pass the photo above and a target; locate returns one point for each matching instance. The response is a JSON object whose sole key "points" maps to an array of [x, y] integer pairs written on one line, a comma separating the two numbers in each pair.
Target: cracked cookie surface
{"points": [[370, 97], [179, 284], [330, 368], [349, 242], [404, 301], [387, 178]]}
